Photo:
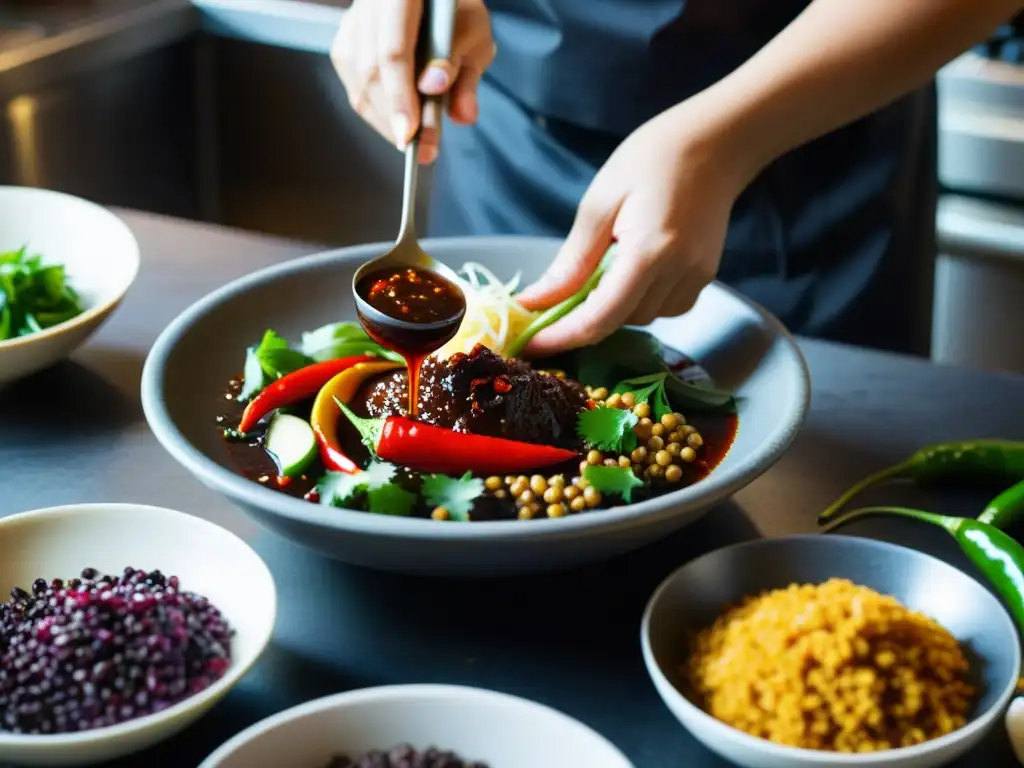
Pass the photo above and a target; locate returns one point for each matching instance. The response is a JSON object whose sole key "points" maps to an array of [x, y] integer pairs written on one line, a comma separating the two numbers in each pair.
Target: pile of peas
{"points": [[664, 448]]}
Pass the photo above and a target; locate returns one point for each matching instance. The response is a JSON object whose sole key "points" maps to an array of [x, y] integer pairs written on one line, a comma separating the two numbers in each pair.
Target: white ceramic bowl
{"points": [[693, 596], [500, 730], [60, 542], [98, 251], [741, 346]]}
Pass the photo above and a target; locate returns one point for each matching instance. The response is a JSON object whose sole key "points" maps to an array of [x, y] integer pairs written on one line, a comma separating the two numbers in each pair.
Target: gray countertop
{"points": [[76, 433]]}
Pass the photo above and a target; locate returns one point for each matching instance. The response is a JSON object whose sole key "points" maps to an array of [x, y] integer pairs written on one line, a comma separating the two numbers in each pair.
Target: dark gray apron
{"points": [[835, 238]]}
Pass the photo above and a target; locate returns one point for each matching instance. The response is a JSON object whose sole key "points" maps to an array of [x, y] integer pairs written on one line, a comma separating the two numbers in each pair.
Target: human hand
{"points": [[374, 55], [664, 196]]}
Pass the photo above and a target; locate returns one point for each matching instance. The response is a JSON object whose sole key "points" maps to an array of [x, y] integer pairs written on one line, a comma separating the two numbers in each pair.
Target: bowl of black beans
{"points": [[120, 624], [418, 726]]}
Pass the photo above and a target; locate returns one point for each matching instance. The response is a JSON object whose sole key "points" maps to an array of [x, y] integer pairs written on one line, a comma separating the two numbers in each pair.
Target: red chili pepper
{"points": [[428, 448], [295, 387]]}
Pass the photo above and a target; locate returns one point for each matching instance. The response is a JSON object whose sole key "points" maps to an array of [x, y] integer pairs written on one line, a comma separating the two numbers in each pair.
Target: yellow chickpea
{"points": [[519, 485], [673, 473], [591, 496], [658, 431], [556, 510], [663, 458], [695, 441], [594, 457], [624, 461], [655, 471], [639, 454], [440, 513], [538, 484], [492, 483], [655, 444], [600, 393], [552, 494], [578, 504], [643, 410], [674, 448], [526, 513], [628, 399], [527, 497], [614, 400], [668, 421], [675, 436], [571, 492], [557, 481], [688, 454], [680, 419]]}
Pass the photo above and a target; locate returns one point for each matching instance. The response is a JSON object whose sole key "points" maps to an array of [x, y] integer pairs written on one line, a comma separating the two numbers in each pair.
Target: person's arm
{"points": [[840, 60], [665, 195]]}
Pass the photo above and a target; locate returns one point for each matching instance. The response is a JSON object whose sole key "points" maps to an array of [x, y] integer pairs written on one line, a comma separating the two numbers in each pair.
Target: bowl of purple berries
{"points": [[418, 726], [120, 624]]}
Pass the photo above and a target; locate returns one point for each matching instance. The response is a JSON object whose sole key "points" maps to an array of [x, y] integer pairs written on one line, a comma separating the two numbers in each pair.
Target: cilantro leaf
{"points": [[455, 495], [33, 297], [390, 499], [277, 358], [336, 488], [373, 488], [648, 389], [619, 481], [608, 429]]}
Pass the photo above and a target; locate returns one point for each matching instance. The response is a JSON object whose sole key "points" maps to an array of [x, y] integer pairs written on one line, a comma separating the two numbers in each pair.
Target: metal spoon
{"points": [[435, 42]]}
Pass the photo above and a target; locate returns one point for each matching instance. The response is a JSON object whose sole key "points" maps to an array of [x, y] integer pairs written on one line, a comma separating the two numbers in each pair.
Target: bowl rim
{"points": [[393, 693], [247, 493], [90, 313], [799, 755], [238, 669]]}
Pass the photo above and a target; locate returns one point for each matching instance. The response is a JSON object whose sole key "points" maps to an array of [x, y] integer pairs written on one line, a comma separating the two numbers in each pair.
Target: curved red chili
{"points": [[295, 387]]}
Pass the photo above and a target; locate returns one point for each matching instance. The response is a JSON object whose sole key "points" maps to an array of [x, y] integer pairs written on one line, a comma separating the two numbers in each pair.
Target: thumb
{"points": [[589, 239]]}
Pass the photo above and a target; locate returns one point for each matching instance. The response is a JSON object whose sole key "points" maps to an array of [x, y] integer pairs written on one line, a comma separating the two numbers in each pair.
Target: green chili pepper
{"points": [[966, 460], [1005, 508], [998, 556], [553, 314]]}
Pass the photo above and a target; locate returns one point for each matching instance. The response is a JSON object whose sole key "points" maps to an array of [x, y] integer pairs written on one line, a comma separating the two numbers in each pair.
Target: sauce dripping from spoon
{"points": [[422, 310]]}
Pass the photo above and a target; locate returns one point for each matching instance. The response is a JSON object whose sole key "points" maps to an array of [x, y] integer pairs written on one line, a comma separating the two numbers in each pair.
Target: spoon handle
{"points": [[437, 29]]}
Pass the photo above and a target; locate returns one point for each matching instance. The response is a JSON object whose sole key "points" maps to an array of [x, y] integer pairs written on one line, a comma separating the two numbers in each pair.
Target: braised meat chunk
{"points": [[487, 395]]}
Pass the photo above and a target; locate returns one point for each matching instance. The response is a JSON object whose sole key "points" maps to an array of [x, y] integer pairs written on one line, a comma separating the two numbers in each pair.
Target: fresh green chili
{"points": [[966, 460], [998, 556], [553, 314], [1005, 508]]}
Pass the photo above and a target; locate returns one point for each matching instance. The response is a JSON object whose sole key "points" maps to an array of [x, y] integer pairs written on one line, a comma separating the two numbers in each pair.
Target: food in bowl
{"points": [[33, 296], [833, 666], [492, 437], [405, 756], [99, 650]]}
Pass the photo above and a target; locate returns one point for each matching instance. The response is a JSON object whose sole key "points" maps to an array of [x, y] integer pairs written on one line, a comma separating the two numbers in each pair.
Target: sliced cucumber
{"points": [[290, 440]]}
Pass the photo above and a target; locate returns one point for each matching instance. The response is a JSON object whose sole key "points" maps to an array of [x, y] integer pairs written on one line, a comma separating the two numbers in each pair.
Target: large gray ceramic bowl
{"points": [[693, 596], [737, 342]]}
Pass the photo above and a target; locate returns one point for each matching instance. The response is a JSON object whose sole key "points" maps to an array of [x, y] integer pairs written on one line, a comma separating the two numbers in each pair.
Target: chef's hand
{"points": [[374, 55], [664, 196]]}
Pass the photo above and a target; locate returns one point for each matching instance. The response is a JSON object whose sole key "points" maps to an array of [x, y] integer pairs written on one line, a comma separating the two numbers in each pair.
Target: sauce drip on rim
{"points": [[429, 305]]}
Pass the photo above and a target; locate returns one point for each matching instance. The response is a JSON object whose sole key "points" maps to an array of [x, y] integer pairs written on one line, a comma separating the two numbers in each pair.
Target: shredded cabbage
{"points": [[493, 317]]}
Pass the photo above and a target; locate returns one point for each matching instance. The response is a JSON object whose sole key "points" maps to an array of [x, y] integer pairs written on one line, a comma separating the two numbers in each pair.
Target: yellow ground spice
{"points": [[835, 666]]}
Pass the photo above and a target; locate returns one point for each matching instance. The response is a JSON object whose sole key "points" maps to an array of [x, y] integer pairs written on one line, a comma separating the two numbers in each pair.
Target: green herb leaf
{"points": [[619, 481], [253, 378], [631, 354], [277, 358], [330, 342], [369, 429], [336, 488], [608, 429], [648, 389], [33, 297], [373, 488], [390, 499], [455, 495]]}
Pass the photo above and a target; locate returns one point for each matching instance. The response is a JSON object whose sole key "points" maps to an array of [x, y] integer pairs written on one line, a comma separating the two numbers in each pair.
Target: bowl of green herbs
{"points": [[65, 265]]}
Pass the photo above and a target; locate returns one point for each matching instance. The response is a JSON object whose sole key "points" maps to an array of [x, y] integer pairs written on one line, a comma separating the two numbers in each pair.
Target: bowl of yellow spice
{"points": [[810, 651]]}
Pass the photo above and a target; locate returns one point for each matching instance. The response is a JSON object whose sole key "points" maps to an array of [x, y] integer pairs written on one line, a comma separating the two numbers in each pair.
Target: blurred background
{"points": [[228, 111]]}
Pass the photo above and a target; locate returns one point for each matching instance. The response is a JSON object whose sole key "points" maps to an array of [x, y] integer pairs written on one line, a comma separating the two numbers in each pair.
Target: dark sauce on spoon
{"points": [[427, 309]]}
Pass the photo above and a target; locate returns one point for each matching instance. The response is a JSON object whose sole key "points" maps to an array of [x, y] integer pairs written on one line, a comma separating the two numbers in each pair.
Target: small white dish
{"points": [[695, 594], [494, 728], [61, 541], [100, 256]]}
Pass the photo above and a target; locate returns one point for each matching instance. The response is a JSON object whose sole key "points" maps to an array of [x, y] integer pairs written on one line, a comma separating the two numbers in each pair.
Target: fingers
{"points": [[463, 107], [616, 297], [588, 240], [396, 50]]}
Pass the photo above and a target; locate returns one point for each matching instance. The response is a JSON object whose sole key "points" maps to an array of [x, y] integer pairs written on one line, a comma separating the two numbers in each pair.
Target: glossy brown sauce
{"points": [[429, 306]]}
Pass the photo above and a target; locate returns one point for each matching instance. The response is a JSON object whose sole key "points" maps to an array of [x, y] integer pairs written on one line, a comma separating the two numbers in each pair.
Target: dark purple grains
{"points": [[404, 756], [101, 650]]}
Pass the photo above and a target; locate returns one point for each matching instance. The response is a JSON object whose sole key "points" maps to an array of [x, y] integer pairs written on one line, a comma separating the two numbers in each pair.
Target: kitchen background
{"points": [[228, 111]]}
